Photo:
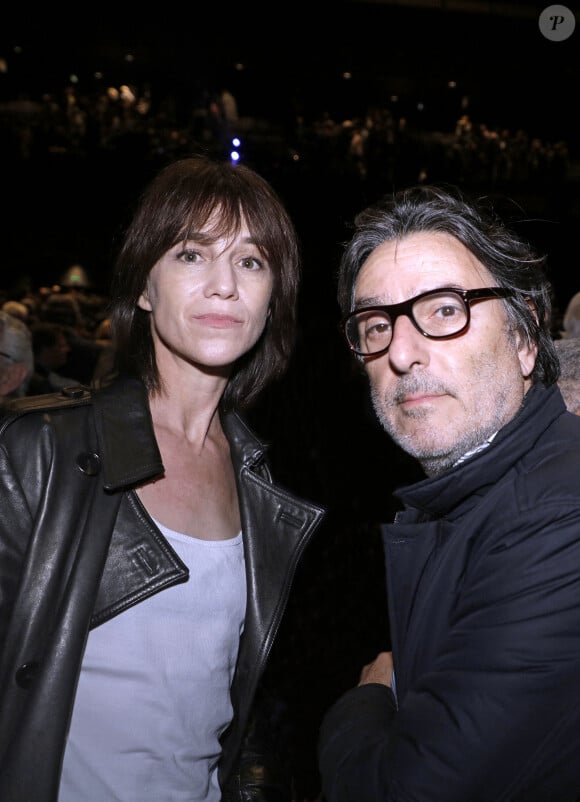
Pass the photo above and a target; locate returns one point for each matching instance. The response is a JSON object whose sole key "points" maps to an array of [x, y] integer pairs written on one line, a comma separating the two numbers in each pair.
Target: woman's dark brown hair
{"points": [[178, 202]]}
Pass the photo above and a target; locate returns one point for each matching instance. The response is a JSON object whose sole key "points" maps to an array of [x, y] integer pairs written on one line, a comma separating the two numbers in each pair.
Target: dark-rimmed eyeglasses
{"points": [[438, 314]]}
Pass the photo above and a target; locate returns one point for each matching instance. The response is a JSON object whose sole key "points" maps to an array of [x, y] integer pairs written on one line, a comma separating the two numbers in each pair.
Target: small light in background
{"points": [[235, 153]]}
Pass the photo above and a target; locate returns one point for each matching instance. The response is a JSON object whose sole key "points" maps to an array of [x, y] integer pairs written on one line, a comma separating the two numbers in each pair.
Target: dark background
{"points": [[279, 61], [284, 63]]}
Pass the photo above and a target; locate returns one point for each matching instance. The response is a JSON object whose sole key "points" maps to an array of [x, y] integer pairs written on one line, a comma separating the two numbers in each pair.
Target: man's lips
{"points": [[419, 398]]}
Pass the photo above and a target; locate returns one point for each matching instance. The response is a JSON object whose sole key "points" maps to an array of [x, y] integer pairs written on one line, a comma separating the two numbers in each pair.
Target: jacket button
{"points": [[73, 391], [90, 464], [26, 674]]}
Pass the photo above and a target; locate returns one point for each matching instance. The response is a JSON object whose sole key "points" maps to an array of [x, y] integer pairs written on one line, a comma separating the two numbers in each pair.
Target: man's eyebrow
{"points": [[371, 300], [375, 300]]}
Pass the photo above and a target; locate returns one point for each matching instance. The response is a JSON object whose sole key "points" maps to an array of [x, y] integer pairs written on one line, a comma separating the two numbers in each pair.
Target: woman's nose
{"points": [[222, 279]]}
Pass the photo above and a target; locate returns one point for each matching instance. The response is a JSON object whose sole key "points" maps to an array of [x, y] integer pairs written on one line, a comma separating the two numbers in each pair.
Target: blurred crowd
{"points": [[381, 144], [70, 332]]}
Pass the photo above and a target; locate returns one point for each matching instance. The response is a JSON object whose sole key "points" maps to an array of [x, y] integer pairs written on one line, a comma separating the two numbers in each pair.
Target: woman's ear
{"points": [[143, 302]]}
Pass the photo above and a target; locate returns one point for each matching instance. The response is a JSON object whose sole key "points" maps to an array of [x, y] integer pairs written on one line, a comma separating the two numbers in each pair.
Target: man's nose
{"points": [[408, 346]]}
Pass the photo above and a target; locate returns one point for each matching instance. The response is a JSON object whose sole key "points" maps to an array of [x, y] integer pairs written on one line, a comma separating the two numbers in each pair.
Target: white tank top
{"points": [[154, 689]]}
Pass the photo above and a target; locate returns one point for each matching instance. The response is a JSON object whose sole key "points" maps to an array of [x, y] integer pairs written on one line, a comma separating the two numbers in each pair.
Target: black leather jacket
{"points": [[77, 548]]}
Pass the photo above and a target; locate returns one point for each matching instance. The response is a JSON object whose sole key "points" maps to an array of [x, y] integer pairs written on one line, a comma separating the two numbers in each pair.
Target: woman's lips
{"points": [[218, 321]]}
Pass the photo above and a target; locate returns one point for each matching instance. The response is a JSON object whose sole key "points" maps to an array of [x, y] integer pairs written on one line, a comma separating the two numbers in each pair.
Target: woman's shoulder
{"points": [[71, 396], [119, 392], [26, 421]]}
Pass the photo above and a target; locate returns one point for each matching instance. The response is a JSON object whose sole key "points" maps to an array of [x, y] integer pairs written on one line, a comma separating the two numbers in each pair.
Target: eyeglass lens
{"points": [[437, 314]]}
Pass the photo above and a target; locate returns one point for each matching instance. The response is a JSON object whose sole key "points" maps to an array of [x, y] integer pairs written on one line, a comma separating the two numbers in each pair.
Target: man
{"points": [[571, 317], [16, 360], [449, 313], [569, 381], [51, 350]]}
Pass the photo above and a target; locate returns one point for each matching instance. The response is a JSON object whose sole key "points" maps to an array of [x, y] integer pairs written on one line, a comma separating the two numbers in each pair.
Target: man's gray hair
{"points": [[16, 345]]}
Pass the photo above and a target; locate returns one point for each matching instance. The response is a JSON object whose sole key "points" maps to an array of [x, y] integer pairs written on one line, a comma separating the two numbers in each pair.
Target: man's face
{"points": [[439, 399], [55, 356]]}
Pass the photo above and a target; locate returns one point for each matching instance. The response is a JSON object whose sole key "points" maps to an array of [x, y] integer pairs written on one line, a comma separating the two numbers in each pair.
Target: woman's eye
{"points": [[251, 263], [189, 256]]}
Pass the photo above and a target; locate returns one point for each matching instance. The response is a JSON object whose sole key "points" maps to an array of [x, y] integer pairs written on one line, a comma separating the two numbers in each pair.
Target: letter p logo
{"points": [[557, 23]]}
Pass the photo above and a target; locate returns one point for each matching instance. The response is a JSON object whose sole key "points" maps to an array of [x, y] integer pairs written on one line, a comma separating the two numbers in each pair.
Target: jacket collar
{"points": [[440, 495], [126, 438], [247, 450]]}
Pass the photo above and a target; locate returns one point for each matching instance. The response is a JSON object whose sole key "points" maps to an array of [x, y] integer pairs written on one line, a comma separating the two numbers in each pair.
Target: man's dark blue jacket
{"points": [[483, 581]]}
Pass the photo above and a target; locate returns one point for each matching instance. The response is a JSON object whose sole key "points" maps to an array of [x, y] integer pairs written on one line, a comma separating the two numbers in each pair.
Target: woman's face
{"points": [[208, 302]]}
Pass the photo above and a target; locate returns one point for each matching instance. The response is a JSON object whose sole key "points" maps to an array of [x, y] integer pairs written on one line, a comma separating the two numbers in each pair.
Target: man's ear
{"points": [[527, 354]]}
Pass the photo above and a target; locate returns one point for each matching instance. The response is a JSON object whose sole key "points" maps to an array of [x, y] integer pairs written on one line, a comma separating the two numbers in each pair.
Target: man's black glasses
{"points": [[437, 314]]}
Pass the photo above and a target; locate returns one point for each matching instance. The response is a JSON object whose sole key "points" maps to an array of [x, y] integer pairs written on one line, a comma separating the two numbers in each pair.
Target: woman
{"points": [[147, 554]]}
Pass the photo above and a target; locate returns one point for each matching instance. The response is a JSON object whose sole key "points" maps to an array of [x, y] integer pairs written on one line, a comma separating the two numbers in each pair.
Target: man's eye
{"points": [[377, 327], [449, 310]]}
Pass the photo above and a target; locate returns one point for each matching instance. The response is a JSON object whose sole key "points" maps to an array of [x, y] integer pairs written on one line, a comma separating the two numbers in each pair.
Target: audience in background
{"points": [[17, 309], [79, 314], [51, 349], [569, 381], [16, 357], [571, 318], [378, 142]]}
